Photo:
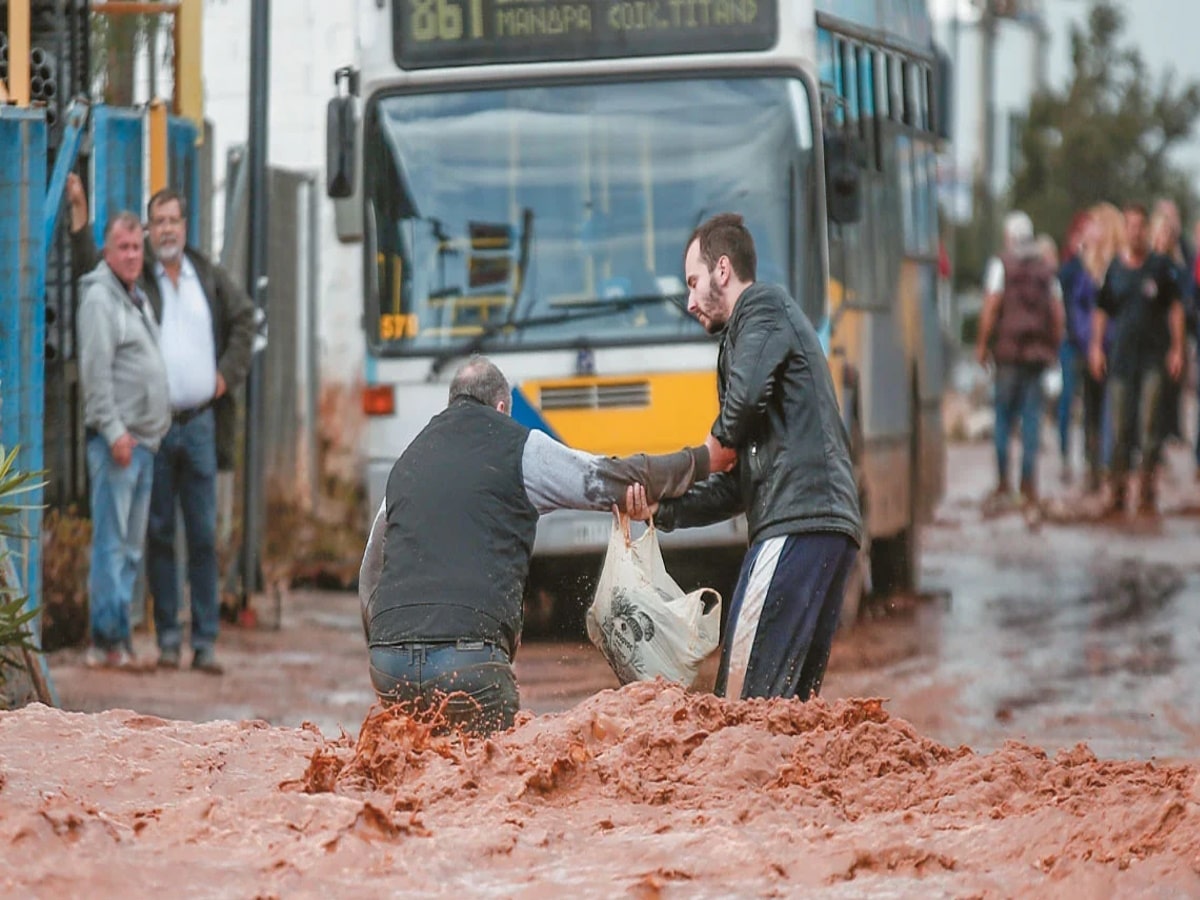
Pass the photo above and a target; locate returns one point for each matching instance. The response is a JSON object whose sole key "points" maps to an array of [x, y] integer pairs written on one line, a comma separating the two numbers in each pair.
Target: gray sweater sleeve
{"points": [[558, 477], [97, 347], [372, 563]]}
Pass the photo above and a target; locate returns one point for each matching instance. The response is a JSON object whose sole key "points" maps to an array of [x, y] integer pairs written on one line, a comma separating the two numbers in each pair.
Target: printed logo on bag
{"points": [[624, 628]]}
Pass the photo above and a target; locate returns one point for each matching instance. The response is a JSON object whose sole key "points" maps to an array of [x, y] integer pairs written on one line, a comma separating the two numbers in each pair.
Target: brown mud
{"points": [[1036, 733], [642, 791]]}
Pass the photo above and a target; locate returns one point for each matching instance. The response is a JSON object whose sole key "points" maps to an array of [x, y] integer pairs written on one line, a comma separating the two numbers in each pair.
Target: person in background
{"points": [[126, 412], [207, 336], [444, 570], [1141, 296], [1020, 328], [1167, 241], [1072, 356], [779, 420], [1103, 240], [1194, 321]]}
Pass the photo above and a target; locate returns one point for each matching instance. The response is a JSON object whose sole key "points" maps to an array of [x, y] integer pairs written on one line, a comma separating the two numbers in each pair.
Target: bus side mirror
{"points": [[339, 147], [340, 130], [843, 180]]}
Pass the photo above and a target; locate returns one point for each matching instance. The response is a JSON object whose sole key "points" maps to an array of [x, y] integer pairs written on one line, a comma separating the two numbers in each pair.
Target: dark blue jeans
{"points": [[120, 500], [474, 679], [1072, 362], [1018, 395], [185, 469]]}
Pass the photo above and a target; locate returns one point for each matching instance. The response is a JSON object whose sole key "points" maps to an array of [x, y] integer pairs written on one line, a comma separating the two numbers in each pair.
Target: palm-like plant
{"points": [[16, 639]]}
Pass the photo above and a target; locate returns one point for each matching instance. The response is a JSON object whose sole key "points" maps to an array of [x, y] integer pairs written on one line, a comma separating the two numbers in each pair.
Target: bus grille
{"points": [[597, 396]]}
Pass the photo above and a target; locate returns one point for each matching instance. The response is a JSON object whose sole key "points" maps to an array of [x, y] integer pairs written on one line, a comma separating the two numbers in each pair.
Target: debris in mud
{"points": [[635, 790]]}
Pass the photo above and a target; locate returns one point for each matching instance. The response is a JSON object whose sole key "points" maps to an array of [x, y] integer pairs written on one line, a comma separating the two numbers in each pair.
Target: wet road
{"points": [[1078, 632]]}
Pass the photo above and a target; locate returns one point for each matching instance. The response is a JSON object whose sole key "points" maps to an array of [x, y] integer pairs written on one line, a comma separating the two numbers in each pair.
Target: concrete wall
{"points": [[309, 39]]}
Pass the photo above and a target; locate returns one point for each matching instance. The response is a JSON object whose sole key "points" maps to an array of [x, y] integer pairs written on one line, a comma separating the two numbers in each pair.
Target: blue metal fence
{"points": [[23, 312], [183, 168], [118, 172]]}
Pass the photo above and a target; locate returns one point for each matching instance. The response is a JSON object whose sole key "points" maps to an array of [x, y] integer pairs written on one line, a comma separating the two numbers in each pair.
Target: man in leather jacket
{"points": [[781, 455], [443, 575]]}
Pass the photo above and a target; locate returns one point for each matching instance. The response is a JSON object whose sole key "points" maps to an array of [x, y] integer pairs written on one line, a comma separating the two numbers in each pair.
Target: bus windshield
{"points": [[543, 216]]}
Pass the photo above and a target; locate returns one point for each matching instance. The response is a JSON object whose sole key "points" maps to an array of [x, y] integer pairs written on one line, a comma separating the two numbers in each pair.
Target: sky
{"points": [[1166, 32]]}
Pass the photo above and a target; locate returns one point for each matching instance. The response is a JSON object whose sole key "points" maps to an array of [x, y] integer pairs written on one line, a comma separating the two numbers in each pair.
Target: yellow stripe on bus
{"points": [[679, 411]]}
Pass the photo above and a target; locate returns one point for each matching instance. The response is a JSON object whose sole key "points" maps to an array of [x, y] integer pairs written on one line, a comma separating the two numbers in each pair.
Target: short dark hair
{"points": [[166, 195], [726, 234], [123, 219], [479, 379], [1139, 208]]}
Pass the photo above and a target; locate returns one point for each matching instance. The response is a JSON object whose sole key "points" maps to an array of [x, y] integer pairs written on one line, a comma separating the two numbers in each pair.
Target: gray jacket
{"points": [[559, 477], [121, 366]]}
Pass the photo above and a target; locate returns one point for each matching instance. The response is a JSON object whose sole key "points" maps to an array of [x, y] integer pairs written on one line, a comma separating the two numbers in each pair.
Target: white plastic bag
{"points": [[640, 618]]}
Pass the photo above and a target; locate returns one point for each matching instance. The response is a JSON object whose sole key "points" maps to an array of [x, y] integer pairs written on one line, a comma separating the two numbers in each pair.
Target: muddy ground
{"points": [[1037, 733]]}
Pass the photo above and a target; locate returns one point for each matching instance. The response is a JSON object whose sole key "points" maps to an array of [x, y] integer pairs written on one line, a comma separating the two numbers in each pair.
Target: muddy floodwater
{"points": [[1030, 726]]}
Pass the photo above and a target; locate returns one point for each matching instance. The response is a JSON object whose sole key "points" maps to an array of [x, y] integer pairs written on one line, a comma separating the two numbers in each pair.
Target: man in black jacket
{"points": [[792, 478], [443, 575], [207, 334]]}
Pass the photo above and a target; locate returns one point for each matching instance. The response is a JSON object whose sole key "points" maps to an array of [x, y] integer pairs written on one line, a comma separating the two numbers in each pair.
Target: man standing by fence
{"points": [[127, 412], [207, 337]]}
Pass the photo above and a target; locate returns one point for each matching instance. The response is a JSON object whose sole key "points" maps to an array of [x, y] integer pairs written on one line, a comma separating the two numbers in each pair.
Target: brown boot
{"points": [[1031, 507], [998, 501], [1116, 503], [1148, 495]]}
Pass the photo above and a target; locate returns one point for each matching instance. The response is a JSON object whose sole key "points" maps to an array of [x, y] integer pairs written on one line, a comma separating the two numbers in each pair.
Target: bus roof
{"points": [[902, 22]]}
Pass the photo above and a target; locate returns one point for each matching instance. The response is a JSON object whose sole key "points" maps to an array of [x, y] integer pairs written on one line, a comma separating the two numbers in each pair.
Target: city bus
{"points": [[523, 176]]}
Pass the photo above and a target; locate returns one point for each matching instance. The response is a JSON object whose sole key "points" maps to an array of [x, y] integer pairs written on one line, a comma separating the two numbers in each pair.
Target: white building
{"points": [[309, 39]]}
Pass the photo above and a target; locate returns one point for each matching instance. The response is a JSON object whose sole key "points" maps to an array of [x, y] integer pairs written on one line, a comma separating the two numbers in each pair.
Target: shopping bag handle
{"points": [[624, 521]]}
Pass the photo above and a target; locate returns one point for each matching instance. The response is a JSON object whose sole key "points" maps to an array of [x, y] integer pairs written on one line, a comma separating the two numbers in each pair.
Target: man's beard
{"points": [[714, 294], [168, 253]]}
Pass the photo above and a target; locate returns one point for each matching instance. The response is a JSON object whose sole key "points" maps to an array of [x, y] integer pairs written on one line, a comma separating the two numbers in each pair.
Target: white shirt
{"points": [[187, 338]]}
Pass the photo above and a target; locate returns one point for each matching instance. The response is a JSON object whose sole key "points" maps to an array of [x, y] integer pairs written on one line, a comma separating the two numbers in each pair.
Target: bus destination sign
{"points": [[430, 33]]}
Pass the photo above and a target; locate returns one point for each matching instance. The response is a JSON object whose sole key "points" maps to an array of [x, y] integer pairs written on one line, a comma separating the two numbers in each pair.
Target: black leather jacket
{"points": [[780, 412]]}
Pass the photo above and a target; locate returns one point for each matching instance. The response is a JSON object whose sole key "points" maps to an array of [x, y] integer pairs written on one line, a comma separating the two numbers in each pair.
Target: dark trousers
{"points": [[1095, 453], [783, 615], [185, 469], [1137, 412], [471, 681]]}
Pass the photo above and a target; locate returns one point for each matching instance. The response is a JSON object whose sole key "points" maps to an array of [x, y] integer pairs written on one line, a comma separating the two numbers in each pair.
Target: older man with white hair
{"points": [[1020, 328]]}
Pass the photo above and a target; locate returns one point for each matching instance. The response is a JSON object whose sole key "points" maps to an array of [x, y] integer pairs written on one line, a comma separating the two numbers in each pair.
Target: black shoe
{"points": [[168, 658], [205, 660]]}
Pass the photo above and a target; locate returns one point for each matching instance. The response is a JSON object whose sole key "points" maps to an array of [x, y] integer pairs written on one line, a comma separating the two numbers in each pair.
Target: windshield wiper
{"points": [[597, 308]]}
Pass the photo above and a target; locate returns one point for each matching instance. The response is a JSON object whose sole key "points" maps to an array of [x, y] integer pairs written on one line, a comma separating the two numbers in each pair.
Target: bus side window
{"points": [[931, 110], [839, 75], [849, 84], [895, 90], [881, 105], [906, 94], [916, 85], [866, 104]]}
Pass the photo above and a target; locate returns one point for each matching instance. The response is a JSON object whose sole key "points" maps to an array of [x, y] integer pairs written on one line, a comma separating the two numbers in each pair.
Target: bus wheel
{"points": [[894, 563], [557, 595]]}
